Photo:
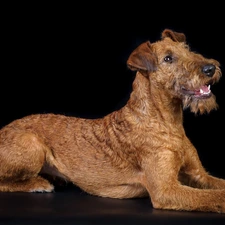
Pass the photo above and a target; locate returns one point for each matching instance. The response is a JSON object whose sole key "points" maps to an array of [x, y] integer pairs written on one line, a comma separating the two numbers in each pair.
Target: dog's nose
{"points": [[209, 70]]}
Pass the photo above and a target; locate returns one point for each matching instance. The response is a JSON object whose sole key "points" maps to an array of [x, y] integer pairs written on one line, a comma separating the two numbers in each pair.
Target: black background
{"points": [[71, 59]]}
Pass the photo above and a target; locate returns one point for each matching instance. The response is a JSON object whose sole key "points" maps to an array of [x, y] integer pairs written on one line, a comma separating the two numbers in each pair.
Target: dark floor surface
{"points": [[72, 206]]}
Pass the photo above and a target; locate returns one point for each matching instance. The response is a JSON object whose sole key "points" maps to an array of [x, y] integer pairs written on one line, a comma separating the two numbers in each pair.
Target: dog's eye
{"points": [[168, 59]]}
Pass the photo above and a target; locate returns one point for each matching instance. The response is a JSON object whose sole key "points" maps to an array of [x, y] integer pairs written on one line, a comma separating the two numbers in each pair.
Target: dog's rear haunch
{"points": [[140, 150]]}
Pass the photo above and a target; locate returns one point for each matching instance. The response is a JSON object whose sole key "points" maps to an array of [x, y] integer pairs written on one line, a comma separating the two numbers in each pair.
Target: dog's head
{"points": [[183, 73]]}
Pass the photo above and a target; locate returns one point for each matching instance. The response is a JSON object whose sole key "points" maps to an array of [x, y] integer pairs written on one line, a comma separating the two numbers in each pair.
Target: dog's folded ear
{"points": [[142, 58], [175, 36]]}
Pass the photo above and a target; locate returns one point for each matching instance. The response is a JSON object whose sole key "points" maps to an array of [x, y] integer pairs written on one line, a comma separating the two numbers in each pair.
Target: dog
{"points": [[140, 150]]}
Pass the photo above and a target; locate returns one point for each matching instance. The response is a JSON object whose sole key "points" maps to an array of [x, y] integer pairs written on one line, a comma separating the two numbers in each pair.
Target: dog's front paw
{"points": [[220, 208], [220, 205], [216, 202]]}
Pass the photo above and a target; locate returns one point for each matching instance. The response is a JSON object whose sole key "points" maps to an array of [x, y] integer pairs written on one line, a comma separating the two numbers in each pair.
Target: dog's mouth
{"points": [[203, 92]]}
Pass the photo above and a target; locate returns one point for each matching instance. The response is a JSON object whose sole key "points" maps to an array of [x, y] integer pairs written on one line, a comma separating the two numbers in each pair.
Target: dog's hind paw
{"points": [[40, 185], [43, 189]]}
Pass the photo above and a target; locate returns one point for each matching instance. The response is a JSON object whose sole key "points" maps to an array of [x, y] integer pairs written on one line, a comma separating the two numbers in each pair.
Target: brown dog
{"points": [[139, 150]]}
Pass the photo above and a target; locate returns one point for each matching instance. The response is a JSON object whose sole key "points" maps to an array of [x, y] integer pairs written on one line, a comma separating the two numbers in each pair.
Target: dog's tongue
{"points": [[205, 88]]}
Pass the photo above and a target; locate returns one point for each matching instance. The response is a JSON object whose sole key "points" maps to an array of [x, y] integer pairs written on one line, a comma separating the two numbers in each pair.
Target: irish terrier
{"points": [[140, 150]]}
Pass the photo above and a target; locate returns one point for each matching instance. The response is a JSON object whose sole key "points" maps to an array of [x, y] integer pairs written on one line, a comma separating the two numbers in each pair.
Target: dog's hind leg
{"points": [[22, 156]]}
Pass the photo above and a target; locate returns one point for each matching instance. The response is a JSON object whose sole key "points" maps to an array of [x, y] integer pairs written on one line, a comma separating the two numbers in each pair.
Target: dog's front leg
{"points": [[166, 192], [193, 174]]}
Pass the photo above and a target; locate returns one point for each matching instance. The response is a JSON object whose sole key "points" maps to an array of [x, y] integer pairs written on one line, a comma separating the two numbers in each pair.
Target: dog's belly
{"points": [[103, 181], [114, 185], [120, 191]]}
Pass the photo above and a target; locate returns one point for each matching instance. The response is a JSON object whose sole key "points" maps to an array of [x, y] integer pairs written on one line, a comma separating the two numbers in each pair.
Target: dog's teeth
{"points": [[205, 92]]}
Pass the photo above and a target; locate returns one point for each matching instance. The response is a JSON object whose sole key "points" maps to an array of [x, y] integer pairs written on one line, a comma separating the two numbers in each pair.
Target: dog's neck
{"points": [[148, 101]]}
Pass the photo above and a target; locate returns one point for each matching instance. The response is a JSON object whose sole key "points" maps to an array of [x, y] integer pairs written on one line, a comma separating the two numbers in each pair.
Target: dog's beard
{"points": [[200, 106]]}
